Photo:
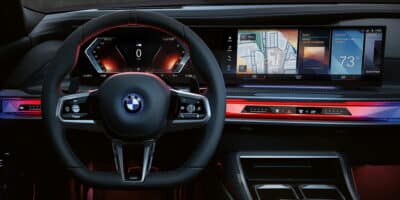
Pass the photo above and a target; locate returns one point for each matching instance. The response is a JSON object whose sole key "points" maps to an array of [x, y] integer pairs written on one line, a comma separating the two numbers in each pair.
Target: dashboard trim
{"points": [[340, 99], [7, 94], [245, 11], [243, 121], [365, 111]]}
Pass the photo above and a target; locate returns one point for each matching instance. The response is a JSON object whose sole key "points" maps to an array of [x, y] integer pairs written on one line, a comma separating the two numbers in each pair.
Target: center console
{"points": [[285, 175]]}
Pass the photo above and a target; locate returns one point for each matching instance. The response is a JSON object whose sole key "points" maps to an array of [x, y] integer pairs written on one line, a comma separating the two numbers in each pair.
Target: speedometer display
{"points": [[137, 49]]}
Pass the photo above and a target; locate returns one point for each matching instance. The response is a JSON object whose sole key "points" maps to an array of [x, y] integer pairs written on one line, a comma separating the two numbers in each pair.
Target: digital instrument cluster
{"points": [[132, 49], [114, 55]]}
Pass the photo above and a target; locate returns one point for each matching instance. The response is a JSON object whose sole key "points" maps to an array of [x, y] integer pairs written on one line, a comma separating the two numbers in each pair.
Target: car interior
{"points": [[200, 99]]}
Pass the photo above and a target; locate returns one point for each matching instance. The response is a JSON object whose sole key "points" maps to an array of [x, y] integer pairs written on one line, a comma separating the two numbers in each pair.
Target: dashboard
{"points": [[280, 64], [324, 57]]}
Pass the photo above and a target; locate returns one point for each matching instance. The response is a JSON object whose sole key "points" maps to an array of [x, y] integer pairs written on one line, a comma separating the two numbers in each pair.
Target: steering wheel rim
{"points": [[201, 57]]}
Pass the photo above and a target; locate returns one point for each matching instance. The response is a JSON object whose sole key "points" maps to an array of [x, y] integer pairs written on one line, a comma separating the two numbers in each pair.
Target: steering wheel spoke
{"points": [[77, 109], [121, 160], [188, 110]]}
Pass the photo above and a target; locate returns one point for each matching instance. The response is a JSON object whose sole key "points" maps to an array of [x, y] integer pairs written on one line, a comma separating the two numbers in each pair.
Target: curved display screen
{"points": [[339, 56], [285, 55]]}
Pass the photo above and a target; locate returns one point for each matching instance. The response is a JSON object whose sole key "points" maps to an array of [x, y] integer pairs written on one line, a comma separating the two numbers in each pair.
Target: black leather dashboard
{"points": [[58, 25]]}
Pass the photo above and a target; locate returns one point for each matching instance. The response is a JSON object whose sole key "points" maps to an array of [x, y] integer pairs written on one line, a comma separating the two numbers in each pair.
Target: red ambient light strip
{"points": [[360, 110]]}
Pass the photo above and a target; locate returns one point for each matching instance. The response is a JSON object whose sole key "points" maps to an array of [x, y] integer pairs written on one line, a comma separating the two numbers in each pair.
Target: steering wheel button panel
{"points": [[191, 107], [75, 108]]}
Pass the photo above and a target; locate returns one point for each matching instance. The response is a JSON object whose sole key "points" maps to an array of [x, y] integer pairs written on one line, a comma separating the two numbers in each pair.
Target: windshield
{"points": [[68, 5]]}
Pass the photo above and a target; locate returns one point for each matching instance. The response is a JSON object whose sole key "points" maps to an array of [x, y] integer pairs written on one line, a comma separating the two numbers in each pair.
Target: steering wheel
{"points": [[134, 107]]}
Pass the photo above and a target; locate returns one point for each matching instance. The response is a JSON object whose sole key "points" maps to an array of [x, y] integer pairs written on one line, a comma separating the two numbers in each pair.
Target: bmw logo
{"points": [[133, 103]]}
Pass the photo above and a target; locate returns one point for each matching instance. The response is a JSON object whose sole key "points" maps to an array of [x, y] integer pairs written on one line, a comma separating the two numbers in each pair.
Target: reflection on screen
{"points": [[267, 51]]}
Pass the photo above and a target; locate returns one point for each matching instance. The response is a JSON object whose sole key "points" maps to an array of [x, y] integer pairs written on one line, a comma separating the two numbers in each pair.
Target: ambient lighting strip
{"points": [[13, 108], [359, 110], [376, 111]]}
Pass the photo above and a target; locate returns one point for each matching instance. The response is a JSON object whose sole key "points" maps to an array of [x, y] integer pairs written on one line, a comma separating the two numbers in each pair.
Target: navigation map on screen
{"points": [[269, 51]]}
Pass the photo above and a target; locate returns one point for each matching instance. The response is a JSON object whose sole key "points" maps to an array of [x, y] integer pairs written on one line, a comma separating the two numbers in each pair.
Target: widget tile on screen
{"points": [[373, 52], [347, 52], [314, 51], [267, 51]]}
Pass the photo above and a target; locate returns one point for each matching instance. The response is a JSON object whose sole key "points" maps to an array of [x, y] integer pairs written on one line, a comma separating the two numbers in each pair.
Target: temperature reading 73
{"points": [[347, 61]]}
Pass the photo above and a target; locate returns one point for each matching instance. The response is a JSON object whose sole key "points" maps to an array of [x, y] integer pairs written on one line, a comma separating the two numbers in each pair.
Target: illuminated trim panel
{"points": [[18, 107], [361, 111], [385, 111]]}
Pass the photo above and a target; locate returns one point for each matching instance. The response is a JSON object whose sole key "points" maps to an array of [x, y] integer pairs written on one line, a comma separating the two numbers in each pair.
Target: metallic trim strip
{"points": [[274, 9], [118, 153], [287, 156], [319, 186], [275, 186], [242, 178]]}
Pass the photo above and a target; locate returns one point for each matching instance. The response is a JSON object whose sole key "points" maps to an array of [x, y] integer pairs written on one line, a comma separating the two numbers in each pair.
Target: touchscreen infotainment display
{"points": [[299, 55], [309, 53]]}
